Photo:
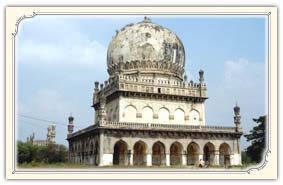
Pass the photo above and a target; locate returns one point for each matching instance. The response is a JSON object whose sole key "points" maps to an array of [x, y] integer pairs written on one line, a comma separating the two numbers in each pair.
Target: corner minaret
{"points": [[237, 117], [201, 78], [201, 83], [71, 124]]}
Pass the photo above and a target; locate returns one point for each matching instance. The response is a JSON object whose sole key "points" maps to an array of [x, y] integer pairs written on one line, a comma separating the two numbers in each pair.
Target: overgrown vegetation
{"points": [[52, 153], [254, 153]]}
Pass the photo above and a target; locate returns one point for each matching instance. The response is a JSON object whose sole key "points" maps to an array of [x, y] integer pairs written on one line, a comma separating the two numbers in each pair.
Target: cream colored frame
{"points": [[266, 170]]}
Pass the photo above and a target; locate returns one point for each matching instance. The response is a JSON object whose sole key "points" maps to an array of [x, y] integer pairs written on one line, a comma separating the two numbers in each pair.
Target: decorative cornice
{"points": [[132, 67]]}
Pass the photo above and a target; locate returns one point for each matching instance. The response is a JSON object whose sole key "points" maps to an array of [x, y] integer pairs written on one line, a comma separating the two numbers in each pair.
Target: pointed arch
{"points": [[120, 153], [208, 153], [130, 113], [163, 115], [179, 116], [176, 149], [139, 157], [224, 155], [147, 114], [194, 116], [158, 154], [193, 151]]}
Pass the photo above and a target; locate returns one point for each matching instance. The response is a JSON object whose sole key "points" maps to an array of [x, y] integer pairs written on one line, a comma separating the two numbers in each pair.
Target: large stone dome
{"points": [[146, 47]]}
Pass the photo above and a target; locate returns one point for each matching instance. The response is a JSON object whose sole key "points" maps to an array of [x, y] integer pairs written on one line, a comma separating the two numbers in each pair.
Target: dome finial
{"points": [[146, 19]]}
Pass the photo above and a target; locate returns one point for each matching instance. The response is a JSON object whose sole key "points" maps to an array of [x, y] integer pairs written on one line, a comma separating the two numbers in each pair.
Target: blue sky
{"points": [[59, 57]]}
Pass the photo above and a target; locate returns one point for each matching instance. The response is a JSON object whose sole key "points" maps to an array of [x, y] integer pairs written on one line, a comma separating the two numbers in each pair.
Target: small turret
{"points": [[185, 78], [237, 117], [71, 124], [201, 83], [96, 84], [146, 19], [201, 78]]}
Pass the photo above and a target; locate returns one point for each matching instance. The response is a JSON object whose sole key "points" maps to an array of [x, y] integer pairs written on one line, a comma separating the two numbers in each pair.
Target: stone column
{"points": [[167, 159], [232, 162], [184, 158], [216, 158], [200, 157], [149, 159], [239, 162], [101, 147], [107, 159], [131, 157]]}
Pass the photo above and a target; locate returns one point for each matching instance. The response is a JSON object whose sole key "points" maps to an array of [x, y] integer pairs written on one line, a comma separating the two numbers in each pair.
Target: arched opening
{"points": [[158, 154], [147, 115], [120, 153], [176, 154], [192, 154], [194, 117], [163, 115], [179, 116], [224, 155], [130, 114], [208, 153], [139, 153], [95, 153]]}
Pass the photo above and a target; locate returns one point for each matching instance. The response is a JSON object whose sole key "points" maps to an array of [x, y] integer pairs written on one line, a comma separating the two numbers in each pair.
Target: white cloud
{"points": [[242, 73], [89, 54], [58, 43]]}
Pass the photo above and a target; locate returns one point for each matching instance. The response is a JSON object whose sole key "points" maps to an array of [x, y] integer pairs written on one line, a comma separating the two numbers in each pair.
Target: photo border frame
{"points": [[266, 170]]}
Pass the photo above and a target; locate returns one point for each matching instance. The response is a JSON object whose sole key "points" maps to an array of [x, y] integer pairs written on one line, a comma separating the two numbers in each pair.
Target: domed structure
{"points": [[146, 47], [147, 113]]}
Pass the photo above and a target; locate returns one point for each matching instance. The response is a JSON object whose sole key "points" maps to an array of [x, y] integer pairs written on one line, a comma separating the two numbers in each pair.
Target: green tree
{"points": [[245, 158], [257, 138], [52, 153], [23, 152]]}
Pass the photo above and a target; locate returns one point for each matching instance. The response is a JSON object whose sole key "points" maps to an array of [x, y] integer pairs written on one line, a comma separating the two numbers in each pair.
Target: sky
{"points": [[58, 59]]}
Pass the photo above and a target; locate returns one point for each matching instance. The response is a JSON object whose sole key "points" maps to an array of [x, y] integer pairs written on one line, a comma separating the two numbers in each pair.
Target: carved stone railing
{"points": [[134, 84], [159, 126]]}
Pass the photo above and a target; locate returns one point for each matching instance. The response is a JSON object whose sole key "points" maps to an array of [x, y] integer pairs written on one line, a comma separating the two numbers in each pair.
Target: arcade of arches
{"points": [[177, 155]]}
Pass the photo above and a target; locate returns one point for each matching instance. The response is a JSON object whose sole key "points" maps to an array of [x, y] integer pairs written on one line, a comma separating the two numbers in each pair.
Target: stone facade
{"points": [[147, 113]]}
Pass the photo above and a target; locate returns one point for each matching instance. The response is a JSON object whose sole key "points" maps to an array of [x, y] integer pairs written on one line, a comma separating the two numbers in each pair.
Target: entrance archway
{"points": [[176, 154], [208, 153], [120, 153], [158, 154], [139, 153], [224, 155], [193, 154]]}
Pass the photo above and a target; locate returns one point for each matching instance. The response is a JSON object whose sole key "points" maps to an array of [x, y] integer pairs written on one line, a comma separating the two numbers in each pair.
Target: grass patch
{"points": [[53, 165]]}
